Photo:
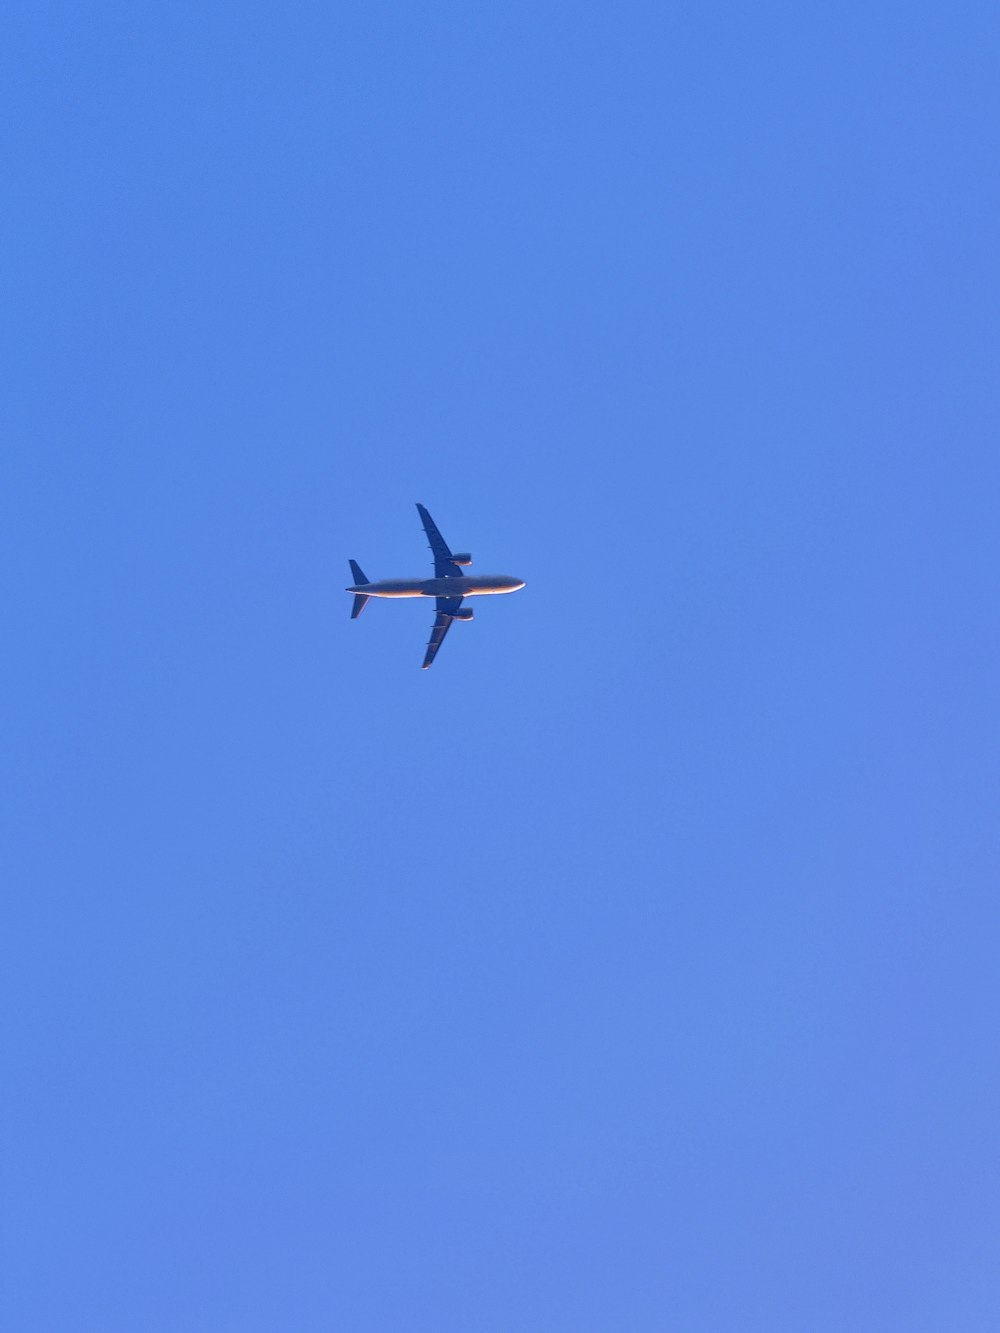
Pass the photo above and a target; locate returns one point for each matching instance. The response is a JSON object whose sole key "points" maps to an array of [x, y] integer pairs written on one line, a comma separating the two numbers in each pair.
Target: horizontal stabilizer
{"points": [[360, 602], [357, 572]]}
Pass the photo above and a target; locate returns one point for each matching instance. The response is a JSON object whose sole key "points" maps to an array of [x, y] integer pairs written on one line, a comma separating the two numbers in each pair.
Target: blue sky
{"points": [[635, 967]]}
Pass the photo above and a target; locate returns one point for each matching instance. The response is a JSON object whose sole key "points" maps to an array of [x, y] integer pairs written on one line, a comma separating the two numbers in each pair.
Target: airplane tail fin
{"points": [[361, 599]]}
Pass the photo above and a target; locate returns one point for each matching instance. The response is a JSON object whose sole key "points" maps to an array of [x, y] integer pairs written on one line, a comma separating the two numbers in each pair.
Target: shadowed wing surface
{"points": [[444, 565], [446, 608]]}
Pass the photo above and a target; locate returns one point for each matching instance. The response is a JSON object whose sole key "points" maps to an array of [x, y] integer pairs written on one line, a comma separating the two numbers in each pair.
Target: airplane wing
{"points": [[446, 608], [444, 565]]}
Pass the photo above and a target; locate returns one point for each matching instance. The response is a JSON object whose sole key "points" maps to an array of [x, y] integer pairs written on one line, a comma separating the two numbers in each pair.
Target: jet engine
{"points": [[464, 614], [463, 558]]}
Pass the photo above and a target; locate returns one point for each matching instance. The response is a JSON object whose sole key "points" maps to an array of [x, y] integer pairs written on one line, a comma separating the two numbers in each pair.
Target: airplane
{"points": [[448, 586]]}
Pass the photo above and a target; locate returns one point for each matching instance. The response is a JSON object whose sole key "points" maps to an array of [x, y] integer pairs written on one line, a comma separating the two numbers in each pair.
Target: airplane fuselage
{"points": [[480, 586]]}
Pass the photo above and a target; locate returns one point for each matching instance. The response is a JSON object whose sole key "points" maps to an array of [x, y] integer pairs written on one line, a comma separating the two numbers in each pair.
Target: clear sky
{"points": [[636, 967]]}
